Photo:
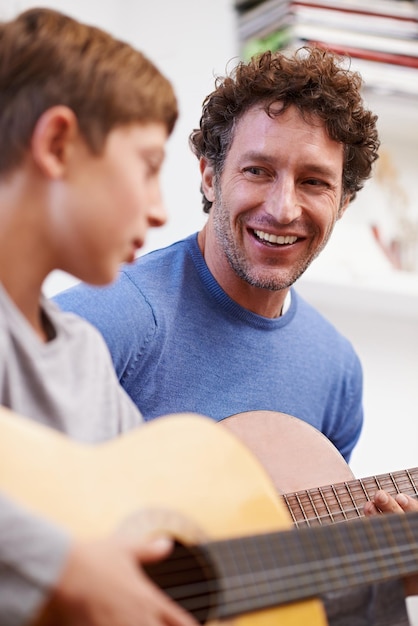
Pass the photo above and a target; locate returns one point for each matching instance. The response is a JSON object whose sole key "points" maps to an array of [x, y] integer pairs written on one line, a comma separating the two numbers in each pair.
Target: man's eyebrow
{"points": [[323, 170], [256, 155]]}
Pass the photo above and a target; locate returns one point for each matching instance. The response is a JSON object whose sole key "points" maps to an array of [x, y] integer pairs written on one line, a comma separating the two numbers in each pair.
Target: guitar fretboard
{"points": [[344, 501], [226, 578]]}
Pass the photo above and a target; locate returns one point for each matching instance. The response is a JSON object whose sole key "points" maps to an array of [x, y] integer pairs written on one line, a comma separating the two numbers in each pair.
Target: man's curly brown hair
{"points": [[315, 81]]}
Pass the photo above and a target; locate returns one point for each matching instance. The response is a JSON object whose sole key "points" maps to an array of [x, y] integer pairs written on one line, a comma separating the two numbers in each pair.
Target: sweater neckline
{"points": [[227, 304]]}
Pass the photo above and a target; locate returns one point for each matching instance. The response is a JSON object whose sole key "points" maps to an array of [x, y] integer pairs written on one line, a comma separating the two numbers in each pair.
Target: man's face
{"points": [[278, 198]]}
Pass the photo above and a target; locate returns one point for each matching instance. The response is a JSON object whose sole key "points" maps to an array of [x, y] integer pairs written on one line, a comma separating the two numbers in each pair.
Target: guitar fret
{"points": [[395, 484], [356, 508], [324, 500], [365, 486], [339, 502], [412, 482], [362, 484], [286, 499], [305, 517], [317, 515]]}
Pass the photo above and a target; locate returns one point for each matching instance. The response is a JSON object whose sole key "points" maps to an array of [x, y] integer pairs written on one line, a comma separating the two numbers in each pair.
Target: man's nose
{"points": [[283, 203]]}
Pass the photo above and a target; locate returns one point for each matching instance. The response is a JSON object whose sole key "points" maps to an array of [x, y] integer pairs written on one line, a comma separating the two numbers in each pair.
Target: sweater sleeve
{"points": [[32, 555], [121, 314]]}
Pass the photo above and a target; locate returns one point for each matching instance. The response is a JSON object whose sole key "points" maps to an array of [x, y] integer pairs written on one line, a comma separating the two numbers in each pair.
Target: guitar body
{"points": [[294, 454], [185, 467]]}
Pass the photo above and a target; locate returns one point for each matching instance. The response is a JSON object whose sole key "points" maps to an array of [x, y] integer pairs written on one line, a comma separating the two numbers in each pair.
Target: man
{"points": [[84, 120], [212, 323]]}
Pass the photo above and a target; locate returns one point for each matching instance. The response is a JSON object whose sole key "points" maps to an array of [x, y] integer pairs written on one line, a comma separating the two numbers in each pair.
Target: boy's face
{"points": [[107, 203]]}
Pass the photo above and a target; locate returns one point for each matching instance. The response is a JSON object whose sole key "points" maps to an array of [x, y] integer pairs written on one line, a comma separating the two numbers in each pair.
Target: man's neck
{"points": [[264, 302]]}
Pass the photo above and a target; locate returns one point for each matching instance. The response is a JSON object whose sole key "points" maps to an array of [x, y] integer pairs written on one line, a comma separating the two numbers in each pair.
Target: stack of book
{"points": [[263, 25], [380, 36]]}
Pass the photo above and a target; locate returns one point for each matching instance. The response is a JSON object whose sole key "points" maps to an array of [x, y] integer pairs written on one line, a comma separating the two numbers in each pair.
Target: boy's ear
{"points": [[52, 138], [208, 176]]}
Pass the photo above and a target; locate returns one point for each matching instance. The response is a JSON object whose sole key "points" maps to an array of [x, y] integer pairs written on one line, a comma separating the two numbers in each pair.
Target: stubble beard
{"points": [[274, 279]]}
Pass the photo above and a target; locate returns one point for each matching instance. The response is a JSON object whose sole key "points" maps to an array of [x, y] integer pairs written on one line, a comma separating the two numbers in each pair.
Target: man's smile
{"points": [[275, 239]]}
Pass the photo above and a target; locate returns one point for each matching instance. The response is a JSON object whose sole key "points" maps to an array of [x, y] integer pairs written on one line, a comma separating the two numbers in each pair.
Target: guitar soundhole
{"points": [[188, 577]]}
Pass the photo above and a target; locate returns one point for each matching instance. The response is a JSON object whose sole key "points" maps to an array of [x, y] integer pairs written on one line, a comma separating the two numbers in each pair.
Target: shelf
{"points": [[393, 294], [353, 274]]}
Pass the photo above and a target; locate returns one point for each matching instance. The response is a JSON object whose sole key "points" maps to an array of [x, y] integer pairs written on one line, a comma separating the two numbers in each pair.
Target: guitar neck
{"points": [[223, 579], [344, 501]]}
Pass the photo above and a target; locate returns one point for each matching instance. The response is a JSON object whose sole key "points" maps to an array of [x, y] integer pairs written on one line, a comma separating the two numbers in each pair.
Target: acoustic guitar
{"points": [[171, 469], [313, 478], [250, 564]]}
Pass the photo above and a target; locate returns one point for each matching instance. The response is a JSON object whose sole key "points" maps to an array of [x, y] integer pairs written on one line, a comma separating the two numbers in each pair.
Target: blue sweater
{"points": [[180, 344]]}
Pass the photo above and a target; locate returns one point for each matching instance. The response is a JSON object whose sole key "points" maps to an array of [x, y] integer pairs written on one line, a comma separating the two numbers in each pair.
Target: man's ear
{"points": [[208, 176], [344, 206], [52, 138]]}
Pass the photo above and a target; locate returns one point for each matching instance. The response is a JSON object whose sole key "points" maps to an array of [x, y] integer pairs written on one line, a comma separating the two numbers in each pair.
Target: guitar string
{"points": [[349, 489], [343, 513], [322, 500], [395, 479], [247, 586]]}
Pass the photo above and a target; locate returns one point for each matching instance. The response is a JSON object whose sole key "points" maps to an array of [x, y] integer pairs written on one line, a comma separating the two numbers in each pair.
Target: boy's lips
{"points": [[131, 256]]}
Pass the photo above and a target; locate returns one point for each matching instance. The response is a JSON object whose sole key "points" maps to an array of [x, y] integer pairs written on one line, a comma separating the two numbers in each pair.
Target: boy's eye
{"points": [[154, 167]]}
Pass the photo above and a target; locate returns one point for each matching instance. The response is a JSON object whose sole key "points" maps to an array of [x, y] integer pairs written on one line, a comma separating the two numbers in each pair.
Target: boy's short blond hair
{"points": [[48, 58]]}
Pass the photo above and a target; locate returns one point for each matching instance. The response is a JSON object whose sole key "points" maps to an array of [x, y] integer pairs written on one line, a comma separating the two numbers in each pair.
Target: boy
{"points": [[84, 120]]}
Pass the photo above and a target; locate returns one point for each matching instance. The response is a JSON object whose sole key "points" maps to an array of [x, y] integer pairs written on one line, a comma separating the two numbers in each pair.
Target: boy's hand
{"points": [[103, 584]]}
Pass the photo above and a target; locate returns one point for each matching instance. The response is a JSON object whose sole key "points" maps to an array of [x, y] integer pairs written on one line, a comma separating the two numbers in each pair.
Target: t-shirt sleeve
{"points": [[32, 554]]}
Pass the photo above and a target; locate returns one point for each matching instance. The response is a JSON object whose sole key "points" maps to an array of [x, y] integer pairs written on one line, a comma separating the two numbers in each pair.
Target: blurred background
{"points": [[366, 280]]}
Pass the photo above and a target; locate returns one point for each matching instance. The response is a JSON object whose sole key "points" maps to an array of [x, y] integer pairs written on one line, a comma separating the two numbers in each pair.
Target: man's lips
{"points": [[275, 239]]}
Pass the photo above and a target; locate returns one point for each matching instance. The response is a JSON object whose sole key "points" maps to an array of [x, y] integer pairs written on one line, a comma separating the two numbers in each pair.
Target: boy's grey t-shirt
{"points": [[68, 384]]}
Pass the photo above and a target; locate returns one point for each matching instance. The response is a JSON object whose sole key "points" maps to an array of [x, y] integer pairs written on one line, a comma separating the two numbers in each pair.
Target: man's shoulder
{"points": [[70, 326], [161, 262], [309, 312], [177, 249], [317, 325]]}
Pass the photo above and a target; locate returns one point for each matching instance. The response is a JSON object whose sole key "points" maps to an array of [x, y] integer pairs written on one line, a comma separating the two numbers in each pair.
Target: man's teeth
{"points": [[274, 238]]}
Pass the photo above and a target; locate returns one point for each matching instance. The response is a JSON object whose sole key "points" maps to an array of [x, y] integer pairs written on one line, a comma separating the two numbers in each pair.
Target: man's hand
{"points": [[103, 584], [382, 502]]}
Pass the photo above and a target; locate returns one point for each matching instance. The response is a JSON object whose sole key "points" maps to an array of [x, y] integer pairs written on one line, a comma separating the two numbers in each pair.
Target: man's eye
{"points": [[256, 171], [316, 183]]}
